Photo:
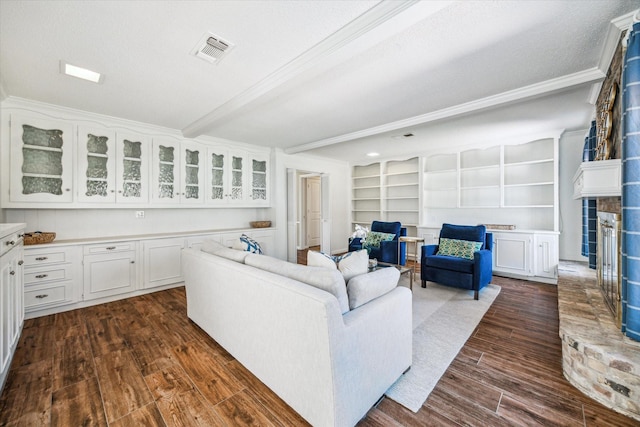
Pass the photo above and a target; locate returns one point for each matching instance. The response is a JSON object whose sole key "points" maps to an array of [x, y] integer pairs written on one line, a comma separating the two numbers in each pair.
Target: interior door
{"points": [[292, 215], [314, 211]]}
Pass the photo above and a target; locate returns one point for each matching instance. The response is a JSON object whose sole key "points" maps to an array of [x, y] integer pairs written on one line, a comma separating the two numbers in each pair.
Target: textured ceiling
{"points": [[306, 74]]}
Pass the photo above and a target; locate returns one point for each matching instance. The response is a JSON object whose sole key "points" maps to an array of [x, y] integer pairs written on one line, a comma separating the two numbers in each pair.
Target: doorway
{"points": [[308, 219]]}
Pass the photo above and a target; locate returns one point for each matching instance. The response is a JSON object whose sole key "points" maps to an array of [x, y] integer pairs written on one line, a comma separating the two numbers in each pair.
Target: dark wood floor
{"points": [[140, 361]]}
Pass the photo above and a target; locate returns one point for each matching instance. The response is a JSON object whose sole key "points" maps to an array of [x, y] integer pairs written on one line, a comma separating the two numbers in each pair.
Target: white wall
{"points": [[339, 189], [570, 153], [85, 223]]}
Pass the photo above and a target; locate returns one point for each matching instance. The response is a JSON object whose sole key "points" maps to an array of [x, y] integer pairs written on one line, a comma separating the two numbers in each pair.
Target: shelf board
{"points": [[401, 185], [401, 173], [365, 198], [530, 184], [366, 210], [441, 171], [403, 210], [527, 206], [480, 187], [365, 188], [477, 168], [528, 162], [365, 176], [402, 198]]}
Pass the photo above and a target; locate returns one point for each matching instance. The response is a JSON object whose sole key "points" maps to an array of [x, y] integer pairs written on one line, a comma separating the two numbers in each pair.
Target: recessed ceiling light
{"points": [[373, 154], [79, 72]]}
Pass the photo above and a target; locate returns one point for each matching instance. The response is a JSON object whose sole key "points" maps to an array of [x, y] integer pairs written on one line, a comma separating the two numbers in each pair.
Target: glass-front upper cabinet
{"points": [[259, 192], [192, 173], [132, 168], [227, 176], [41, 160], [96, 179], [165, 187]]}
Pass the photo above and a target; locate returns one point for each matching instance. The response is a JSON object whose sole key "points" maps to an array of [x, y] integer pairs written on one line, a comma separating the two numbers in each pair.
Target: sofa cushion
{"points": [[474, 233], [366, 287], [246, 243], [215, 248], [458, 248], [329, 280], [449, 263], [350, 264]]}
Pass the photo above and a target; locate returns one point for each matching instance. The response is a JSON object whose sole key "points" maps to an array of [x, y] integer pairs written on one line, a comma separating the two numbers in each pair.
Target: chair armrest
{"points": [[429, 250], [483, 265], [355, 244]]}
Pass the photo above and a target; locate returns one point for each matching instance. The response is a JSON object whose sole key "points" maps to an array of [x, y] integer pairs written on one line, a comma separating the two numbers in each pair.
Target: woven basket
{"points": [[260, 224], [38, 237]]}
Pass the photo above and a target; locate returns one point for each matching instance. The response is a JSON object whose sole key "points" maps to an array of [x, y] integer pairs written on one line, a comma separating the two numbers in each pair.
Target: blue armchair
{"points": [[388, 250], [473, 274]]}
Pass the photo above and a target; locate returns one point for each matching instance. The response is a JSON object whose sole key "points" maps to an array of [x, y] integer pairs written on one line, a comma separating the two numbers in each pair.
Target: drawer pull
{"points": [[10, 243], [42, 258], [41, 296], [41, 276], [110, 248]]}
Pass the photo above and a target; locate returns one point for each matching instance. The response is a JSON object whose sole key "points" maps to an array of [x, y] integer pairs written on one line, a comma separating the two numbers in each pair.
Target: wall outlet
{"points": [[139, 214]]}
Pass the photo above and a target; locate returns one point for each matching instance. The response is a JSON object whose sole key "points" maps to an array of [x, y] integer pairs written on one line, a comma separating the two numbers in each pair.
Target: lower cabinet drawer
{"points": [[36, 297], [41, 275]]}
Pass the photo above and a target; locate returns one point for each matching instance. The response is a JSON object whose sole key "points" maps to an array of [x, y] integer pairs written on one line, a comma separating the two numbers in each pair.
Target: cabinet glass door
{"points": [[192, 173], [96, 165], [41, 160], [237, 178], [217, 160], [132, 163]]}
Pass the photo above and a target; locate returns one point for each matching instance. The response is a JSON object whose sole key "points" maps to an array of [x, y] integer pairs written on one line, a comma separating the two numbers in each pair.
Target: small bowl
{"points": [[260, 224]]}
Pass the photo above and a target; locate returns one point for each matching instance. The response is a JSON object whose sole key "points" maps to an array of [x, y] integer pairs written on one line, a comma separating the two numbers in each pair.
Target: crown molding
{"points": [[372, 18], [611, 40], [537, 89]]}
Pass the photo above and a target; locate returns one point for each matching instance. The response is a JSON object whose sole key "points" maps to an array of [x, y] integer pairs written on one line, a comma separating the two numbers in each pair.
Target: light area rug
{"points": [[443, 319]]}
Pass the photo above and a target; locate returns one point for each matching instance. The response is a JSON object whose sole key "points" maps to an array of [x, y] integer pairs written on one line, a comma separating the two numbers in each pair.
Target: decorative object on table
{"points": [[499, 226], [360, 233], [447, 266], [260, 224], [373, 263], [387, 251], [38, 237]]}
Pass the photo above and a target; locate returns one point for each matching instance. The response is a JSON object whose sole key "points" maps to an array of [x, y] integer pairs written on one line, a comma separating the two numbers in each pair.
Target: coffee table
{"points": [[403, 270]]}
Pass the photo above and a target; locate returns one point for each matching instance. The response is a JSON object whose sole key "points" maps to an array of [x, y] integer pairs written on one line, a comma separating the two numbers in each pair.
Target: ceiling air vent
{"points": [[212, 48]]}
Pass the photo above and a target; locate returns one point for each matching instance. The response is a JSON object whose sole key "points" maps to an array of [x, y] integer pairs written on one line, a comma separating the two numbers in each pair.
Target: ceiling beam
{"points": [[368, 21]]}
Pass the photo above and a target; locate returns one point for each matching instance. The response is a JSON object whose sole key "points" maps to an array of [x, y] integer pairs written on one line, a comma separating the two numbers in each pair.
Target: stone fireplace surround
{"points": [[596, 357]]}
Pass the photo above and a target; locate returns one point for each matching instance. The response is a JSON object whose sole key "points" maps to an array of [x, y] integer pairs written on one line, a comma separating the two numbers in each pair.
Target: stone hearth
{"points": [[597, 358]]}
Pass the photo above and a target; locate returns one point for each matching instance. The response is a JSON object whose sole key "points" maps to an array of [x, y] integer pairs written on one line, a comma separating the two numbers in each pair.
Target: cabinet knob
{"points": [[67, 189], [42, 296], [133, 262], [20, 262], [11, 243], [12, 272]]}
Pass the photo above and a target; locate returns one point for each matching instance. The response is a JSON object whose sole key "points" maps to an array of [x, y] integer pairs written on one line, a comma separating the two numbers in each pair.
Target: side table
{"points": [[408, 240]]}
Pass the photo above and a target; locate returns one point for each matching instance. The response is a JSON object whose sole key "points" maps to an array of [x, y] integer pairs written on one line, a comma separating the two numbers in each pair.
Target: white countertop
{"points": [[91, 240], [8, 228]]}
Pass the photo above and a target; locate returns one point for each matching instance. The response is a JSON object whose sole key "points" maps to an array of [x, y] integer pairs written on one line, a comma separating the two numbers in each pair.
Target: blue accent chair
{"points": [[459, 272], [388, 251]]}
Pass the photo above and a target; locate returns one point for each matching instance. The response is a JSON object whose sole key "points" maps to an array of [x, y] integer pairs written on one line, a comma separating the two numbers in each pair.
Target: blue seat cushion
{"points": [[452, 263]]}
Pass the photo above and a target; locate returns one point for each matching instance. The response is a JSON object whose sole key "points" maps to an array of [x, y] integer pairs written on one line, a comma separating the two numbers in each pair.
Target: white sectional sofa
{"points": [[328, 362]]}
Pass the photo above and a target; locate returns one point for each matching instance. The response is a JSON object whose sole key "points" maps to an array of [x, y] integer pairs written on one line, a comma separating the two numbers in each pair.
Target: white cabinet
{"points": [[110, 269], [367, 197], [132, 168], [50, 275], [162, 261], [512, 253], [227, 182], [526, 254], [546, 255], [41, 160], [96, 165], [259, 192], [177, 172], [11, 295], [401, 193]]}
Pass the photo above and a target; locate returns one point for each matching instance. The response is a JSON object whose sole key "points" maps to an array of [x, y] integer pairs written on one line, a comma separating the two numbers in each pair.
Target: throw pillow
{"points": [[375, 237], [458, 248], [366, 287], [353, 264], [350, 264], [320, 259], [246, 243]]}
